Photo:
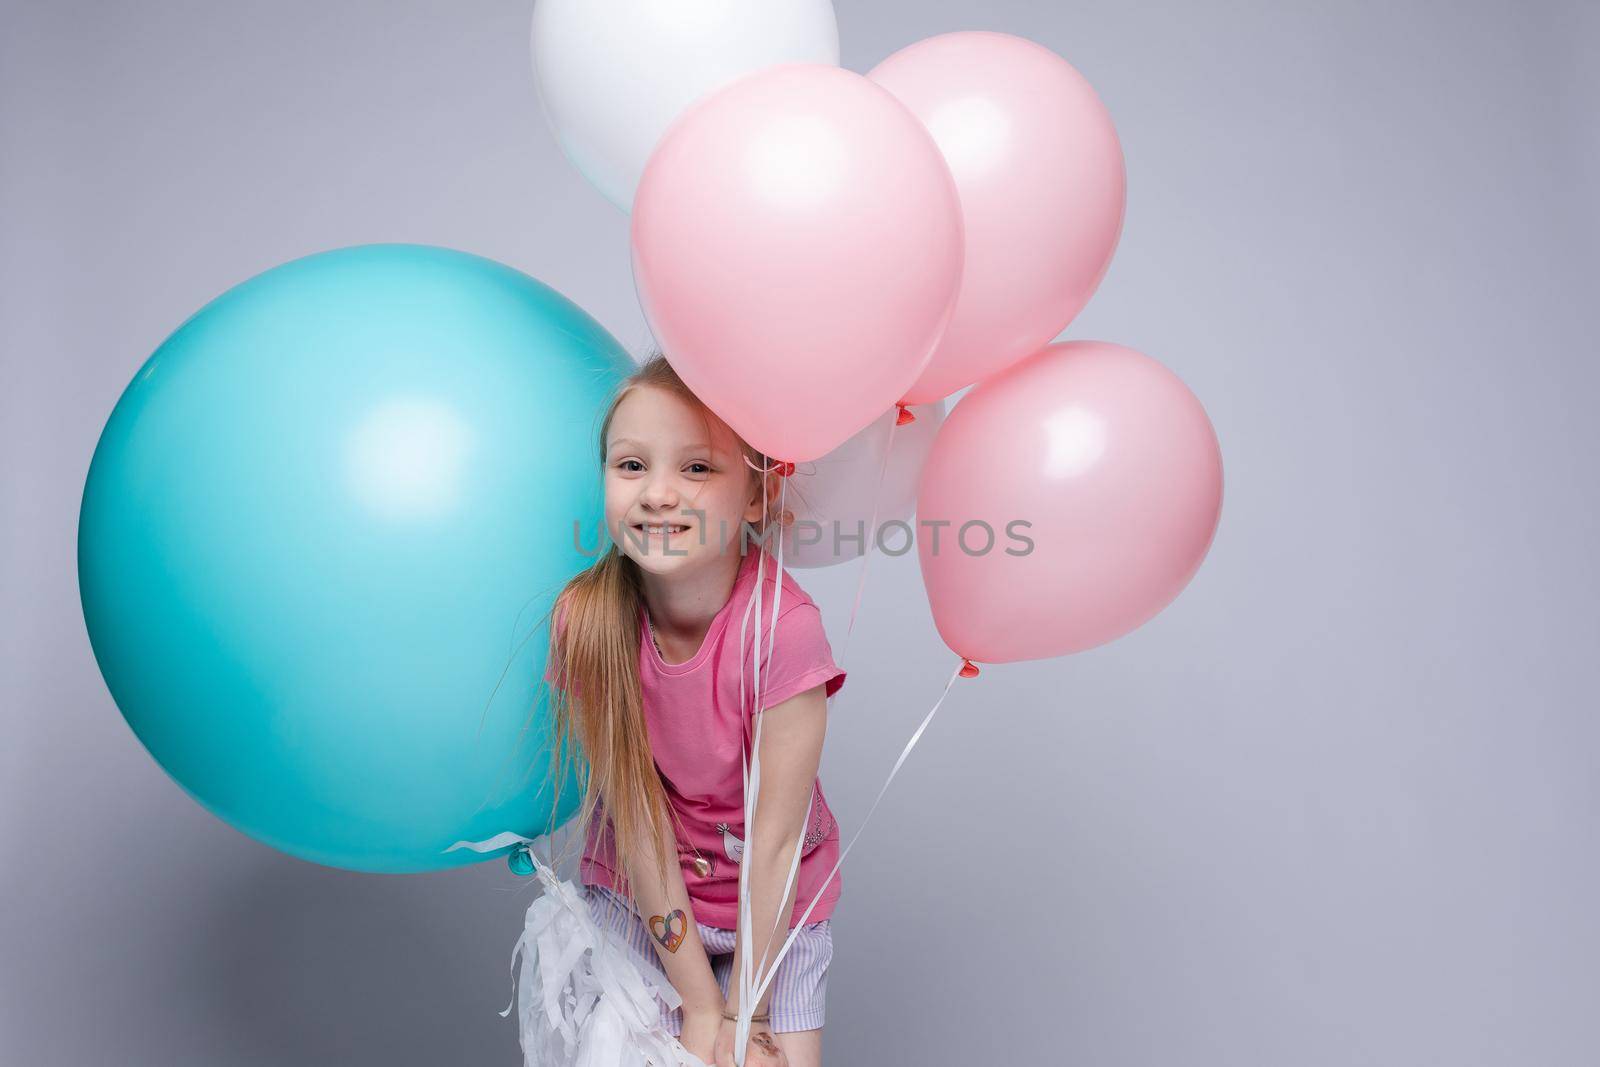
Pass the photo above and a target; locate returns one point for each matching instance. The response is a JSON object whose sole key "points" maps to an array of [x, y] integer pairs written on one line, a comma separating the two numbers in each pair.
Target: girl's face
{"points": [[662, 469]]}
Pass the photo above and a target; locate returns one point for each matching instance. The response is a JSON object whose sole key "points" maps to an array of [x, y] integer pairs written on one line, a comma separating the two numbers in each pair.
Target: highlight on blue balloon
{"points": [[318, 537]]}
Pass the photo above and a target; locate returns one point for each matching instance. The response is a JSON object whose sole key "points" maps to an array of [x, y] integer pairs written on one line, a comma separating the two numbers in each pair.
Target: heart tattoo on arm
{"points": [[669, 931]]}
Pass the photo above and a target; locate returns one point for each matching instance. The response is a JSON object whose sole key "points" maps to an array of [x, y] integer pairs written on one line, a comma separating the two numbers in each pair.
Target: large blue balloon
{"points": [[319, 531]]}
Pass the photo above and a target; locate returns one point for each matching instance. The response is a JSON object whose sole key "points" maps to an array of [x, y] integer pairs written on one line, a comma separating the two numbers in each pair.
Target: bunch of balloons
{"points": [[816, 251], [326, 514]]}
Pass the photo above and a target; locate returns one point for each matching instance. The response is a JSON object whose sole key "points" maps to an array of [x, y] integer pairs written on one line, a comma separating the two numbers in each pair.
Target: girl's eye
{"points": [[624, 464], [703, 468]]}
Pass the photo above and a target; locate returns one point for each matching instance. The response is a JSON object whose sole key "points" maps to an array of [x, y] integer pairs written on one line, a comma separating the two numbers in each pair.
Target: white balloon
{"points": [[613, 74], [831, 498]]}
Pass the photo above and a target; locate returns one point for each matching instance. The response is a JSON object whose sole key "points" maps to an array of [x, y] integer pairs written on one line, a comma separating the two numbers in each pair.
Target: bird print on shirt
{"points": [[821, 824], [731, 844]]}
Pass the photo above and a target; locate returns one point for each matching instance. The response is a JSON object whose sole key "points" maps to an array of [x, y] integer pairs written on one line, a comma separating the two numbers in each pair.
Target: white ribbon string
{"points": [[752, 773], [751, 766], [794, 863], [915, 737]]}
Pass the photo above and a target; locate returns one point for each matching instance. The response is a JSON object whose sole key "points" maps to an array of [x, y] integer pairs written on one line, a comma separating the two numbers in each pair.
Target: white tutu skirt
{"points": [[584, 997]]}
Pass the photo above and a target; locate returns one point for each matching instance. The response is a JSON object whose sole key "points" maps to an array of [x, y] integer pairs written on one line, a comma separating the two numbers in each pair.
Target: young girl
{"points": [[651, 665]]}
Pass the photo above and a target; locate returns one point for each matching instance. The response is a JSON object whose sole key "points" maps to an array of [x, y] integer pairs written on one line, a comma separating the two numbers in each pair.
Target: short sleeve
{"points": [[801, 658]]}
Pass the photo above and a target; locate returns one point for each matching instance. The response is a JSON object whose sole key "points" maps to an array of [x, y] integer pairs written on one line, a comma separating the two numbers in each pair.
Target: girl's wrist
{"points": [[730, 1013], [710, 1003]]}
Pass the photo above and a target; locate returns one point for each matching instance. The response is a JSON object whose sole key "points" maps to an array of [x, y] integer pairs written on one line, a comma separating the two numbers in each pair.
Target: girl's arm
{"points": [[670, 920], [791, 752]]}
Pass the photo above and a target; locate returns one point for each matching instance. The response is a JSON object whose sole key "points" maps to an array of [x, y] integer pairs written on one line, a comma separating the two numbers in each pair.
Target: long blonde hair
{"points": [[594, 651]]}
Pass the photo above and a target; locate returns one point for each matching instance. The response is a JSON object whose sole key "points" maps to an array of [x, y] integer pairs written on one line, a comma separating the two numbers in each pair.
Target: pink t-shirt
{"points": [[699, 728]]}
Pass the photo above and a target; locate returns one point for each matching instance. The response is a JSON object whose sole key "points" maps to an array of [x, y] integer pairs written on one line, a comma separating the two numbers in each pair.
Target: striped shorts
{"points": [[799, 989]]}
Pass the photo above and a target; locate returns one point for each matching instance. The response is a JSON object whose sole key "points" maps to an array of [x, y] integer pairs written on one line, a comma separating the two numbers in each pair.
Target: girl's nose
{"points": [[660, 493]]}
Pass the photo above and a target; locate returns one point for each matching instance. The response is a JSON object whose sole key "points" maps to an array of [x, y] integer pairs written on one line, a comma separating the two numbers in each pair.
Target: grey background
{"points": [[1337, 805]]}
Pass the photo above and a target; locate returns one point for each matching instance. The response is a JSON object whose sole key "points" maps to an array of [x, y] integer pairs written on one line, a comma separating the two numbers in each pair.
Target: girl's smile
{"points": [[658, 529]]}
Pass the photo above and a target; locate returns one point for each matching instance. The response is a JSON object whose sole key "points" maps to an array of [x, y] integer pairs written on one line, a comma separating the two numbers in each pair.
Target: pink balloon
{"points": [[1111, 461], [1043, 190], [797, 249]]}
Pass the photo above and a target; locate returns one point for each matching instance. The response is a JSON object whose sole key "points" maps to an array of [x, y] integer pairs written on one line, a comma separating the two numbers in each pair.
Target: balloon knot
{"points": [[905, 415], [784, 468], [969, 669]]}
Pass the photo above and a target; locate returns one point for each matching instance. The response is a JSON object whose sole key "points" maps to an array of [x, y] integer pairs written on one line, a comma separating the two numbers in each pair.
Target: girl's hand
{"points": [[760, 1051], [699, 1033]]}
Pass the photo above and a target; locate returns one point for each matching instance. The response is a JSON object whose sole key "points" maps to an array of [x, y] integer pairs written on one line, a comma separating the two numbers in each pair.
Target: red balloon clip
{"points": [[969, 669], [905, 415]]}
